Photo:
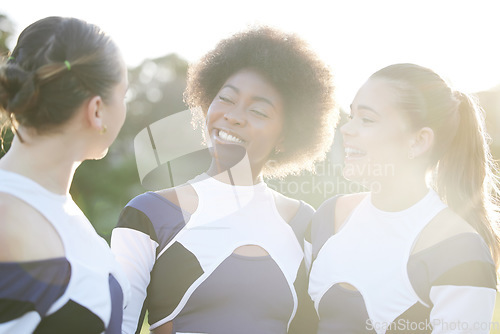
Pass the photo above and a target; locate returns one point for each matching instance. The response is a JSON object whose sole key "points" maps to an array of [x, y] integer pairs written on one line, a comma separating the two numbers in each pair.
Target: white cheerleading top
{"points": [[234, 216], [84, 291], [384, 255], [182, 266], [398, 290]]}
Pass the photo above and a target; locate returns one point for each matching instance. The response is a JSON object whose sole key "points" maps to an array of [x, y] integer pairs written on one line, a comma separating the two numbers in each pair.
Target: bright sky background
{"points": [[459, 39]]}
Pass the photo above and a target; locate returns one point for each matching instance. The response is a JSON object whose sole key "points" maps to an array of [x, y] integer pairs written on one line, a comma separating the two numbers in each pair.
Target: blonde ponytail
{"points": [[466, 177]]}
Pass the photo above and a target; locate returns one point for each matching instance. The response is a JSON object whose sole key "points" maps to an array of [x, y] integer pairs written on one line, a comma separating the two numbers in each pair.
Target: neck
{"points": [[241, 174], [395, 195], [48, 160]]}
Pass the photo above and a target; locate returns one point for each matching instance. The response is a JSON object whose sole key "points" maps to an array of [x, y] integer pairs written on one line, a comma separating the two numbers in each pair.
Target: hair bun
{"points": [[17, 89]]}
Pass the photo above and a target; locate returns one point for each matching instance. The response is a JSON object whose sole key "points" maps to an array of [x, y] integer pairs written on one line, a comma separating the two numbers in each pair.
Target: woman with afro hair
{"points": [[223, 252]]}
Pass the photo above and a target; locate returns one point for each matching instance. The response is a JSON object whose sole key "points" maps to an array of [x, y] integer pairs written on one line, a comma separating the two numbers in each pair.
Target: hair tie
{"points": [[68, 65], [11, 58]]}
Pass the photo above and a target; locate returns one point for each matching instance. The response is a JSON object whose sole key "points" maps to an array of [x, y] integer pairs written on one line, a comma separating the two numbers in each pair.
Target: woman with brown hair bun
{"points": [[62, 91]]}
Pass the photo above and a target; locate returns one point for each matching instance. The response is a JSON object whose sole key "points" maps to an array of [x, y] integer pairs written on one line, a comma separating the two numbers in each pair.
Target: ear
{"points": [[422, 142], [93, 112]]}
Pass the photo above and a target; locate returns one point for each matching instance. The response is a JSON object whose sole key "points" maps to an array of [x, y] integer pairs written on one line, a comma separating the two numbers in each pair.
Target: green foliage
{"points": [[6, 137], [6, 32]]}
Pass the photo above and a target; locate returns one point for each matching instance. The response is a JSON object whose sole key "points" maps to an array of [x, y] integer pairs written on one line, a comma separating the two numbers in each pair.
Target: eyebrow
{"points": [[255, 98], [364, 107]]}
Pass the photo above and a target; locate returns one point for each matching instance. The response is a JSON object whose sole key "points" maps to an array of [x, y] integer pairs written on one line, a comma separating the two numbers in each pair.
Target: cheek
{"points": [[124, 109], [269, 133], [209, 119], [274, 128], [389, 151], [213, 113]]}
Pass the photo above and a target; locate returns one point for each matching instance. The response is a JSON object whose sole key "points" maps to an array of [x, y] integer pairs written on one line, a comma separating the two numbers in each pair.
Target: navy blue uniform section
{"points": [[322, 226], [299, 223], [153, 215], [71, 318], [115, 321], [343, 311], [462, 260], [306, 319], [31, 286], [170, 281], [242, 290]]}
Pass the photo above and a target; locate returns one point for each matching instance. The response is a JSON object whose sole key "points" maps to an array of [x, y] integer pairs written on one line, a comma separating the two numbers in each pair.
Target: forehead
{"points": [[377, 94], [251, 81]]}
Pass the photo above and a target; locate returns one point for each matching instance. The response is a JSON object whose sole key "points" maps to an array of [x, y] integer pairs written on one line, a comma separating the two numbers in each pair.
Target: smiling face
{"points": [[246, 115], [377, 138]]}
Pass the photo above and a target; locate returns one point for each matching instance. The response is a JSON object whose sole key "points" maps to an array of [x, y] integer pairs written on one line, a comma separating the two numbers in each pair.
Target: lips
{"points": [[232, 138]]}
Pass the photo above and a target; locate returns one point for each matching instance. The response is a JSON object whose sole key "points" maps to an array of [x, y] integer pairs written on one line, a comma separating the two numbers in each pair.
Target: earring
{"points": [[411, 155], [277, 151], [271, 163], [103, 130]]}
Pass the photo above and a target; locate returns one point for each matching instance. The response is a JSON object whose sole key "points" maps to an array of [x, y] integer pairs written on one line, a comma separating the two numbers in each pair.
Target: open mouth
{"points": [[230, 138], [354, 153]]}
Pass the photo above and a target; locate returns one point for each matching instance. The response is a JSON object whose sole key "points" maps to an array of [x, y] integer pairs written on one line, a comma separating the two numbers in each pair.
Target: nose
{"points": [[348, 129], [235, 117]]}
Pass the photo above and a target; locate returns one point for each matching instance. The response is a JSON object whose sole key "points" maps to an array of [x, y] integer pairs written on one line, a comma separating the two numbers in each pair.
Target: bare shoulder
{"points": [[347, 203], [344, 206], [444, 225], [169, 193], [25, 234], [184, 196], [287, 207]]}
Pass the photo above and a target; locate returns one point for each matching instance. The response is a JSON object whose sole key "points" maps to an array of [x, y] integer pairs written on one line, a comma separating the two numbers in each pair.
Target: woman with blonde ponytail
{"points": [[419, 252]]}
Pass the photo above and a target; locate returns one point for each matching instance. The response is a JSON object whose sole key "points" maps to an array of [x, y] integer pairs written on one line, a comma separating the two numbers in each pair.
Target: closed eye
{"points": [[225, 99], [259, 113], [364, 120]]}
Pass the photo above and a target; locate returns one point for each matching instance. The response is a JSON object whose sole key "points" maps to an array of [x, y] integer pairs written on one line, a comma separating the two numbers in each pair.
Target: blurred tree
{"points": [[6, 32]]}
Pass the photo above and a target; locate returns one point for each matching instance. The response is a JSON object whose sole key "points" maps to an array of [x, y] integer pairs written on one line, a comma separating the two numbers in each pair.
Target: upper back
{"points": [[25, 233]]}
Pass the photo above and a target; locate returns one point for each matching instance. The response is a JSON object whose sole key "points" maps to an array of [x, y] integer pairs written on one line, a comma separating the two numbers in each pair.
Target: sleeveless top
{"points": [[83, 292], [191, 267], [396, 291]]}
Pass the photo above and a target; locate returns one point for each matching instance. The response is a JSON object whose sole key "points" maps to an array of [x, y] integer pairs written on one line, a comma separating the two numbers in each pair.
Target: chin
{"points": [[228, 155], [99, 156], [351, 171], [356, 173]]}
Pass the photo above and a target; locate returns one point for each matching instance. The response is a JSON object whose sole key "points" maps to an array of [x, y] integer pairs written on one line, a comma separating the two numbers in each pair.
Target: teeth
{"points": [[227, 137], [353, 151]]}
